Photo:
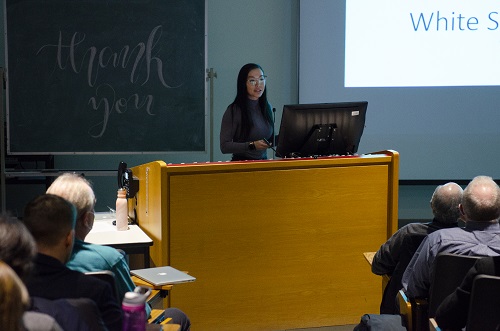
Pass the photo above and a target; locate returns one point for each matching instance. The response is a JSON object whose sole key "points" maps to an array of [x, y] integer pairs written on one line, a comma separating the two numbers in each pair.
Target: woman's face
{"points": [[256, 83]]}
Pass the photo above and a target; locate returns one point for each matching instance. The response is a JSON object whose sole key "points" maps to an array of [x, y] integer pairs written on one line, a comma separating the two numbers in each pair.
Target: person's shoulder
{"points": [[415, 227], [94, 250], [92, 257], [231, 110], [446, 237], [102, 249], [412, 229], [447, 232]]}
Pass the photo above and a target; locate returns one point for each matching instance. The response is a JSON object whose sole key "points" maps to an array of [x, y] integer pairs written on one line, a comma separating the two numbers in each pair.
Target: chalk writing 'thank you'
{"points": [[139, 57]]}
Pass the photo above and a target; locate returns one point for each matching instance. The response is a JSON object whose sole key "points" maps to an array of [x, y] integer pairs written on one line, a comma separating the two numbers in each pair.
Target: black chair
{"points": [[449, 271], [484, 304], [71, 313], [109, 277]]}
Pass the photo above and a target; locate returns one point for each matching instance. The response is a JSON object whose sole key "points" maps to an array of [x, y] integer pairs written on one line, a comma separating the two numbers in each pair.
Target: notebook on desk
{"points": [[162, 275]]}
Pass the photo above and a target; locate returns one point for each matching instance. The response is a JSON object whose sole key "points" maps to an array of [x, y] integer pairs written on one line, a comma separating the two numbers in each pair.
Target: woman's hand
{"points": [[260, 145]]}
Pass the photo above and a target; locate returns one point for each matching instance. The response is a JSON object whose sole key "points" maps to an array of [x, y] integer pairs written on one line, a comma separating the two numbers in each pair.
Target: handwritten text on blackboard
{"points": [[140, 60]]}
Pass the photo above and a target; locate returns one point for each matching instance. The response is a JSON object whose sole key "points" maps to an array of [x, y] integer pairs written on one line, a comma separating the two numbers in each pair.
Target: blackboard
{"points": [[97, 76]]}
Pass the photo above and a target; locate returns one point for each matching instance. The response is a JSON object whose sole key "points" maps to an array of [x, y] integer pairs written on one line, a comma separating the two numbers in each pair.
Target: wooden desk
{"points": [[274, 244], [131, 241]]}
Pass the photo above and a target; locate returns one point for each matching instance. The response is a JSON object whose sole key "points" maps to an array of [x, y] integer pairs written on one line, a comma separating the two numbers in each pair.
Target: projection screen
{"points": [[429, 69]]}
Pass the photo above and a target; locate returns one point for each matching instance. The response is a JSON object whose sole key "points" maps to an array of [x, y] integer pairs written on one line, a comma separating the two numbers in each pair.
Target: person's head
{"points": [[245, 90], [51, 220], [77, 190], [481, 200], [14, 299], [17, 246], [445, 202], [251, 83]]}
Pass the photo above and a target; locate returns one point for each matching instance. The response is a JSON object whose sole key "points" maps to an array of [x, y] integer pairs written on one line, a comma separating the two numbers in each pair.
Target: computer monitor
{"points": [[323, 129]]}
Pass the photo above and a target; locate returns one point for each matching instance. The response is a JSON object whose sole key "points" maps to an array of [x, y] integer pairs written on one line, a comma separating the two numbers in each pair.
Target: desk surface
{"points": [[105, 233], [369, 257]]}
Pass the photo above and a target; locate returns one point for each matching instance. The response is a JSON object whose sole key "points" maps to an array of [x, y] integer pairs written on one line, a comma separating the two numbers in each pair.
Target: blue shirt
{"points": [[476, 239], [87, 257]]}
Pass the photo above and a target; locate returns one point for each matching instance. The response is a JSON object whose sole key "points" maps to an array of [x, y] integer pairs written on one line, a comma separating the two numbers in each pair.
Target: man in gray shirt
{"points": [[480, 209]]}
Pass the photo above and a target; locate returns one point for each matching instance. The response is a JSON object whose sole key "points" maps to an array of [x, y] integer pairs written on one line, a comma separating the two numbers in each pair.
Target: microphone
{"points": [[269, 144], [274, 132], [274, 126]]}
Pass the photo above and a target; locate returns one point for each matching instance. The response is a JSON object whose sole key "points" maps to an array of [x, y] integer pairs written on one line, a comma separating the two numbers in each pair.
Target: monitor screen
{"points": [[321, 129]]}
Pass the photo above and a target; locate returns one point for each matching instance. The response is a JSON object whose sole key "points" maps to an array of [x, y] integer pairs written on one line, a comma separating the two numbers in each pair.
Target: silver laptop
{"points": [[162, 275]]}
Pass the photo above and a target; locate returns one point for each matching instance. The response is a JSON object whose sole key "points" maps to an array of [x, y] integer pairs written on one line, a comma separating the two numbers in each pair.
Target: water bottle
{"points": [[121, 210], [134, 309]]}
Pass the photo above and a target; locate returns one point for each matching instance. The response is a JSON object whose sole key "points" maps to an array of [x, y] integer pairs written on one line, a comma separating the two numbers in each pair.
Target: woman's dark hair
{"points": [[241, 100]]}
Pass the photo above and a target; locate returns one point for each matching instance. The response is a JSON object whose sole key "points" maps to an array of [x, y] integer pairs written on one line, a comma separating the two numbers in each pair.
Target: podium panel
{"points": [[273, 244]]}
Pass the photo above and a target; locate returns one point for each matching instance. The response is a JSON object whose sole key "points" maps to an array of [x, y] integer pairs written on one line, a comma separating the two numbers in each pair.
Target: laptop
{"points": [[162, 275]]}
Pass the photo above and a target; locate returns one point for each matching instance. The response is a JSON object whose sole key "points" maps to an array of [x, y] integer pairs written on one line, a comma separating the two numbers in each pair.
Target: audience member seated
{"points": [[394, 255], [87, 257], [480, 209], [51, 220], [17, 246], [18, 249], [14, 302], [453, 311]]}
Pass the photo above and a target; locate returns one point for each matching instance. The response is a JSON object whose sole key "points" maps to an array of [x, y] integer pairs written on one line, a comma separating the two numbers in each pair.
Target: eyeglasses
{"points": [[260, 81]]}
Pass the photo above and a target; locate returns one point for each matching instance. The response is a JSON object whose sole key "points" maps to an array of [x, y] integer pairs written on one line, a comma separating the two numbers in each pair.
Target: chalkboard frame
{"points": [[135, 107]]}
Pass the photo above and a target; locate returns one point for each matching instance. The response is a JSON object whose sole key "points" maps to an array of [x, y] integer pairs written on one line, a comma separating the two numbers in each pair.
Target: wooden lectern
{"points": [[273, 244]]}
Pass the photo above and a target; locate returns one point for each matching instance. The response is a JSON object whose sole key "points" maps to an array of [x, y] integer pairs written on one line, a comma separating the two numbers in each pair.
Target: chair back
{"points": [[449, 271], [484, 304], [109, 277], [79, 314]]}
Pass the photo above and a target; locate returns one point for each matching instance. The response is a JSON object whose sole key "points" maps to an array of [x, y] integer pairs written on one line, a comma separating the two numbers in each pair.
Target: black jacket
{"points": [[53, 280]]}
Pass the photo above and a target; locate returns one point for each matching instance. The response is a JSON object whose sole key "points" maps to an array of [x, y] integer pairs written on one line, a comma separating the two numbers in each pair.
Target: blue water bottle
{"points": [[134, 309]]}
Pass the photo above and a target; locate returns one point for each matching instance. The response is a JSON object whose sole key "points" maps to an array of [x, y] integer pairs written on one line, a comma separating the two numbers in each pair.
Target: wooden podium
{"points": [[274, 244]]}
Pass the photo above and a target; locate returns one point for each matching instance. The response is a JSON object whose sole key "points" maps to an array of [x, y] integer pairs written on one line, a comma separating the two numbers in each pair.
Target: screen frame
{"points": [[302, 129]]}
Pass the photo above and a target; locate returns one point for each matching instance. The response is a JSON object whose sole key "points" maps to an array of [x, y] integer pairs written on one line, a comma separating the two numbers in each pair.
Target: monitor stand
{"points": [[319, 140]]}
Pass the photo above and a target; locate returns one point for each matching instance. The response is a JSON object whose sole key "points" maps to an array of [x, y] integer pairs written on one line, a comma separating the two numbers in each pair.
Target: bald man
{"points": [[480, 209], [394, 255]]}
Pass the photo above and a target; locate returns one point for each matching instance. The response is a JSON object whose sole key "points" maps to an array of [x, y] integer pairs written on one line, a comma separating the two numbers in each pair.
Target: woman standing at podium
{"points": [[248, 121]]}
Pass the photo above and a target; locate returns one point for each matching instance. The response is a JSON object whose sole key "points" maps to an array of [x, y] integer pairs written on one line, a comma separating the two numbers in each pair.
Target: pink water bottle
{"points": [[134, 311]]}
